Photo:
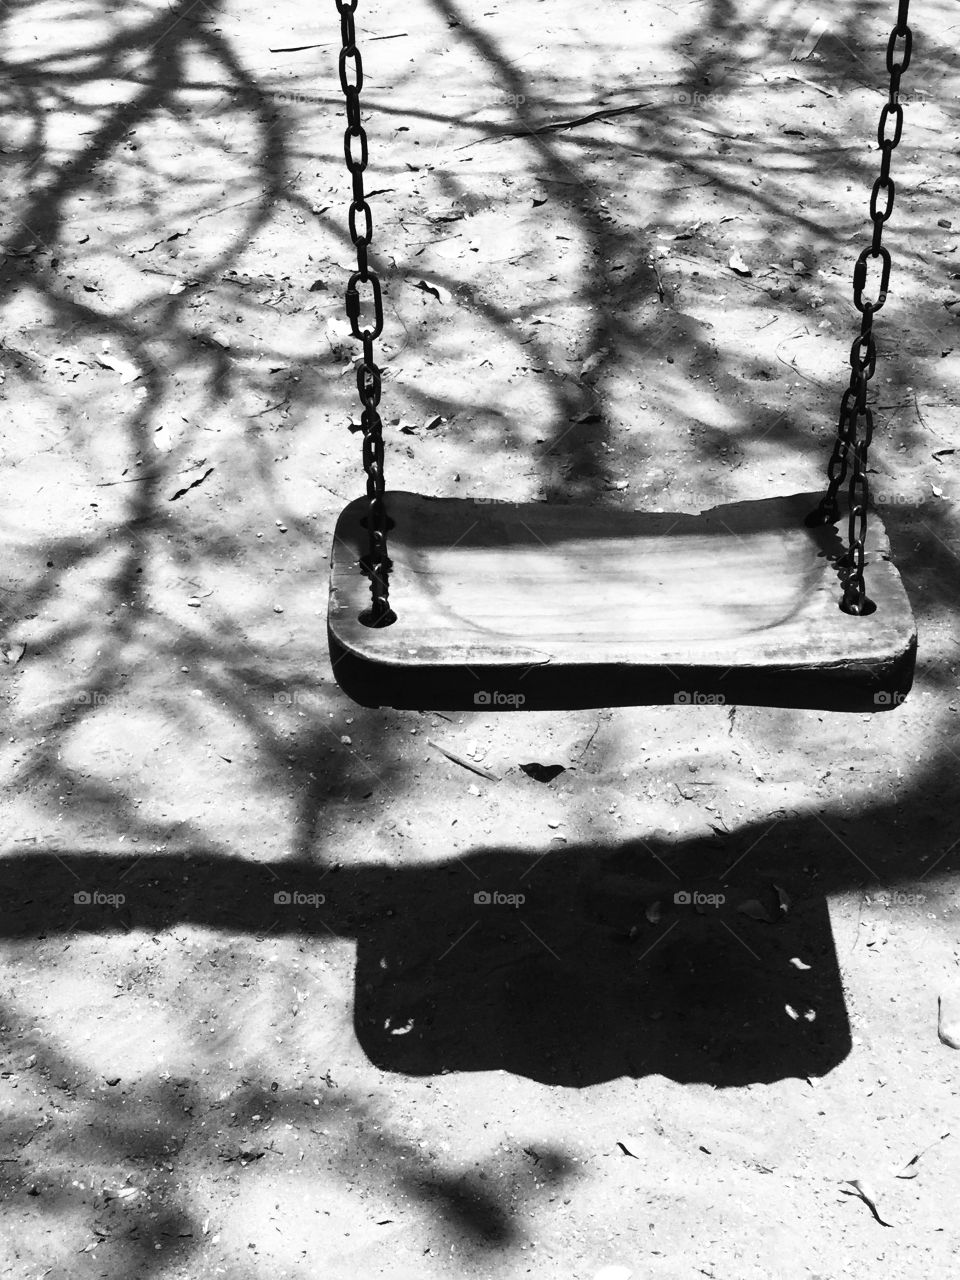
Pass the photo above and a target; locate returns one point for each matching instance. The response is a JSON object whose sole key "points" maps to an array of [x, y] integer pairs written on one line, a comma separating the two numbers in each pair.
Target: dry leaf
{"points": [[910, 1169], [738, 265], [867, 1195], [127, 370], [592, 362], [438, 291]]}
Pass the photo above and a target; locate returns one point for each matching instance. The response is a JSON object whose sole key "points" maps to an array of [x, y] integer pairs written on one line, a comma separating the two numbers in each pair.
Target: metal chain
{"points": [[855, 425], [376, 563]]}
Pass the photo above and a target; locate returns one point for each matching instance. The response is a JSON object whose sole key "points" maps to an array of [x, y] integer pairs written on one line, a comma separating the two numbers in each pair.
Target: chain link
{"points": [[855, 425], [375, 563]]}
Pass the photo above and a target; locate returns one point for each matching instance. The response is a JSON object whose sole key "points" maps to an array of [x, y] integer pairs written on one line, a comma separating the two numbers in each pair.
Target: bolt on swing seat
{"points": [[533, 606]]}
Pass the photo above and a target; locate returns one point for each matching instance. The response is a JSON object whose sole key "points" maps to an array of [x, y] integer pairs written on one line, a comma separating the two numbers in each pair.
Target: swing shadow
{"points": [[569, 965], [544, 966]]}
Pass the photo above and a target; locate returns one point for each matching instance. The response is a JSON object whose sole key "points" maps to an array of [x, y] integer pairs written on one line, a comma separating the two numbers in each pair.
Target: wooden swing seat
{"points": [[534, 606]]}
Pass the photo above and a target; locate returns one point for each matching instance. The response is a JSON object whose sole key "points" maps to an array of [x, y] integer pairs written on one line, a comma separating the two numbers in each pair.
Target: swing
{"points": [[533, 606]]}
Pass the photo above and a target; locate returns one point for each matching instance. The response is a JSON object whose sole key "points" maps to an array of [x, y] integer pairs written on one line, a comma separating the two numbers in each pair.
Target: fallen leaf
{"points": [[438, 291], [193, 484], [689, 233], [175, 235], [803, 48], [738, 265], [127, 370], [13, 653], [867, 1195], [910, 1169], [592, 362]]}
